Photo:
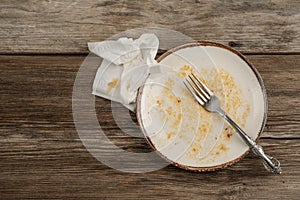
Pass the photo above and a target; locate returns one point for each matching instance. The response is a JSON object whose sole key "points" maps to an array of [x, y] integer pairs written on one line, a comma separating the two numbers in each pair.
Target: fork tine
{"points": [[196, 90], [191, 89], [199, 90], [203, 85]]}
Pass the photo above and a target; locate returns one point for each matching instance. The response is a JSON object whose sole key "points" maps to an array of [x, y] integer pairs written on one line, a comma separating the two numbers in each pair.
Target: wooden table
{"points": [[43, 44]]}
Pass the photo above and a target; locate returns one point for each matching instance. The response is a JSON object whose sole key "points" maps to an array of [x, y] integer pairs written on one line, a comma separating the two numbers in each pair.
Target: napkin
{"points": [[125, 67]]}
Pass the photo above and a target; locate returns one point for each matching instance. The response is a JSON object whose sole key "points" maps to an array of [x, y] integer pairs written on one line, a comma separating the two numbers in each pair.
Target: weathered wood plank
{"points": [[66, 26], [281, 75], [36, 94], [31, 168], [43, 157]]}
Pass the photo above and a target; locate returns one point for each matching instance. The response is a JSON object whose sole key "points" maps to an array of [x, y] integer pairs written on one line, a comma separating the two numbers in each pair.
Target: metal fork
{"points": [[211, 103]]}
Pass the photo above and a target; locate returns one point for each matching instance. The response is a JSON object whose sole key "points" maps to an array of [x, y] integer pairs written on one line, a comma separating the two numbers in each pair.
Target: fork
{"points": [[211, 103]]}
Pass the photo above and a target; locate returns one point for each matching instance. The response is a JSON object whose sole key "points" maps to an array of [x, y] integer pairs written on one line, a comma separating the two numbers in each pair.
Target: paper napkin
{"points": [[125, 67]]}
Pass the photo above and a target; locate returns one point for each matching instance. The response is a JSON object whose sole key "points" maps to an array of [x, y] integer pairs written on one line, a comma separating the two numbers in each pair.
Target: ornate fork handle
{"points": [[211, 103], [271, 164]]}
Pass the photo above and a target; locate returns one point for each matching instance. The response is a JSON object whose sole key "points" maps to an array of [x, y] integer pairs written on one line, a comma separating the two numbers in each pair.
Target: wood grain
{"points": [[36, 94], [64, 169], [35, 27], [281, 75], [41, 155], [43, 45]]}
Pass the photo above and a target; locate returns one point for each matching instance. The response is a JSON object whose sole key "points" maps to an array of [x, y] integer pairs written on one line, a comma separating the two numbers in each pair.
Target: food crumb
{"points": [[169, 110], [160, 102], [169, 135], [223, 147], [230, 96]]}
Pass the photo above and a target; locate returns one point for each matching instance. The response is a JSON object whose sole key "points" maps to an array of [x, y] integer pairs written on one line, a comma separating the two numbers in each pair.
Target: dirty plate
{"points": [[179, 129]]}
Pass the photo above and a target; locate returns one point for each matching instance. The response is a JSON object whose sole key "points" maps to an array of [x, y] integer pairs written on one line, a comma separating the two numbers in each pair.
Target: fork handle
{"points": [[271, 164]]}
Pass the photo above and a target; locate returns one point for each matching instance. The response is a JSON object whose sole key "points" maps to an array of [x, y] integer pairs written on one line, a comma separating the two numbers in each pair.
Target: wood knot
{"points": [[234, 44]]}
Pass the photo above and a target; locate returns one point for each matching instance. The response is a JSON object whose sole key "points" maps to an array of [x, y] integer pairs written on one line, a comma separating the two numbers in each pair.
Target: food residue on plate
{"points": [[188, 124], [112, 84]]}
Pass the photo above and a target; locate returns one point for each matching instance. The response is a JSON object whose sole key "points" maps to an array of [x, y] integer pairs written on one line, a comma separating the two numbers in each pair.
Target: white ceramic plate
{"points": [[179, 129]]}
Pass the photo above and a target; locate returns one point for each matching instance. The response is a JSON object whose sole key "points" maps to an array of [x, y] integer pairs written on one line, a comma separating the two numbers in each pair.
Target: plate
{"points": [[179, 129]]}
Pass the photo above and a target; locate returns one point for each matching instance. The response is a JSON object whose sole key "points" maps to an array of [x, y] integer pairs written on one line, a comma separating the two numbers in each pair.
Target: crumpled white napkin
{"points": [[124, 68]]}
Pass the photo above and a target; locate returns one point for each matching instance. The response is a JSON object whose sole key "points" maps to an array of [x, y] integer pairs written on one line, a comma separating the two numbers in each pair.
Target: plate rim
{"points": [[263, 90]]}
